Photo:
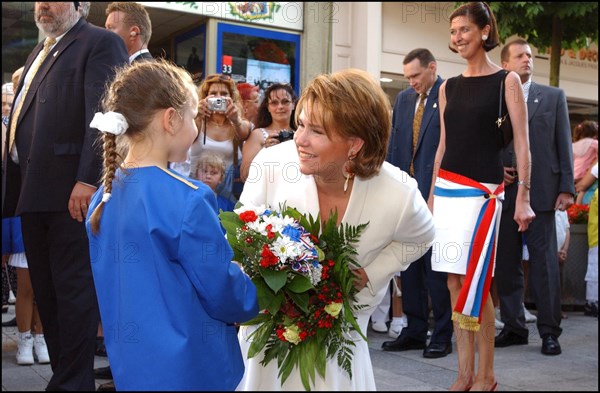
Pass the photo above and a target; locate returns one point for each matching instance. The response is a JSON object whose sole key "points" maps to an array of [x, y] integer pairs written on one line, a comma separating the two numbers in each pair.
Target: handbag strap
{"points": [[501, 99], [501, 96]]}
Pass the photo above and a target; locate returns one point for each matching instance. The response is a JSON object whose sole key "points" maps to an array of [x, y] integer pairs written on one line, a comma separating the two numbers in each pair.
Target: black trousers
{"points": [[57, 252], [544, 272], [419, 281]]}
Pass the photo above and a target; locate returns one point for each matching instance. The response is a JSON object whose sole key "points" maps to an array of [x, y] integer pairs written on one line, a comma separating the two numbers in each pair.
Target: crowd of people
{"points": [[118, 268]]}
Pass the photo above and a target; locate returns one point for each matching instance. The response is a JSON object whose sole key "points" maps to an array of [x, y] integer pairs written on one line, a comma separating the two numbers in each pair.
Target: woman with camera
{"points": [[221, 127], [275, 123]]}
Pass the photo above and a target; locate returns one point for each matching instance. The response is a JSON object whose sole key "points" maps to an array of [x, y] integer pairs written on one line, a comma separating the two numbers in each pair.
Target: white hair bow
{"points": [[111, 122]]}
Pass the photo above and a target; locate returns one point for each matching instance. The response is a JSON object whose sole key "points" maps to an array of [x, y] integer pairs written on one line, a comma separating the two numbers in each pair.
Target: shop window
{"points": [[190, 51], [257, 56]]}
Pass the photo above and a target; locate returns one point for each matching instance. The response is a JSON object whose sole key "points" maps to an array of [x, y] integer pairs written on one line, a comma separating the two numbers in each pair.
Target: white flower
{"points": [[284, 248], [333, 309], [258, 210], [278, 222], [258, 226], [315, 274], [291, 334]]}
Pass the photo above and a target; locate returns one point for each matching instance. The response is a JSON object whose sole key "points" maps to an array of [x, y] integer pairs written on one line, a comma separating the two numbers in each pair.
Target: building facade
{"points": [[291, 42]]}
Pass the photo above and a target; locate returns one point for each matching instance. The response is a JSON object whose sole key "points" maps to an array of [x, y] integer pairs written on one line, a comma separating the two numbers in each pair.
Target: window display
{"points": [[259, 57]]}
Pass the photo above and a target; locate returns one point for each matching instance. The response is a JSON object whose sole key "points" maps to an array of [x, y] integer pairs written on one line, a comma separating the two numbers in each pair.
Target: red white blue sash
{"points": [[482, 250]]}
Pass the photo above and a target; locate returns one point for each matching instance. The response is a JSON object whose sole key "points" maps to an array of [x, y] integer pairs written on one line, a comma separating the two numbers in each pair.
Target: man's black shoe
{"points": [[437, 350], [403, 343], [590, 309], [103, 373], [10, 323], [107, 387], [550, 345], [506, 339]]}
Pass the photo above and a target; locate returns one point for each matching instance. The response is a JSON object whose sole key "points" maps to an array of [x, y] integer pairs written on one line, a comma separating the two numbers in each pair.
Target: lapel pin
{"points": [[536, 100]]}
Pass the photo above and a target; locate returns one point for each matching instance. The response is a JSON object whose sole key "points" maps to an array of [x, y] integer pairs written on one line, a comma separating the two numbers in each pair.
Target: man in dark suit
{"points": [[50, 173], [131, 22], [420, 68], [552, 188]]}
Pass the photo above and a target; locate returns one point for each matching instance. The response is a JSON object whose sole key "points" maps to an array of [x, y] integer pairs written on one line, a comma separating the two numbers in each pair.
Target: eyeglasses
{"points": [[276, 103], [220, 77]]}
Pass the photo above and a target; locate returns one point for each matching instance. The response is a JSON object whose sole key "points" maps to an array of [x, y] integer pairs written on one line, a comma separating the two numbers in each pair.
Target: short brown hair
{"points": [[424, 55], [585, 129], [352, 104], [135, 15], [504, 54]]}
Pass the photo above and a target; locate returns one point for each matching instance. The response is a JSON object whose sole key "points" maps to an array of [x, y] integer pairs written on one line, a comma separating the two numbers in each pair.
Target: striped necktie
{"points": [[34, 69]]}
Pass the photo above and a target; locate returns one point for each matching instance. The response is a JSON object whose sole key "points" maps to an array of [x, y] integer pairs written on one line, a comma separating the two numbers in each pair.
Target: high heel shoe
{"points": [[494, 388]]}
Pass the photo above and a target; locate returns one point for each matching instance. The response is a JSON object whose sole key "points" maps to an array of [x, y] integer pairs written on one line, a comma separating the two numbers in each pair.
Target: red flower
{"points": [[578, 214], [268, 258], [290, 310], [248, 216]]}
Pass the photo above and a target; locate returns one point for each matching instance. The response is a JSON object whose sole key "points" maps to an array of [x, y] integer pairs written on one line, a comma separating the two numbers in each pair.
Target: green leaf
{"points": [[259, 338], [299, 284], [230, 221], [275, 303], [321, 362], [290, 361], [264, 293], [300, 299], [257, 320], [275, 279], [305, 367]]}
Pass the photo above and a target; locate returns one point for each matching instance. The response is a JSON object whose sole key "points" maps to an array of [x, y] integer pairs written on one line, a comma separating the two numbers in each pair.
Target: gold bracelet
{"points": [[524, 183]]}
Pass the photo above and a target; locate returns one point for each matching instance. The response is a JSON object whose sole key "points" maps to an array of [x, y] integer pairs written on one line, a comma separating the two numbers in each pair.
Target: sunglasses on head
{"points": [[220, 77]]}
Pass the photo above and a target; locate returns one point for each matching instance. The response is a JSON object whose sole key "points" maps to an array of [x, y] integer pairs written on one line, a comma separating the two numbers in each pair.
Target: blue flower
{"points": [[292, 233]]}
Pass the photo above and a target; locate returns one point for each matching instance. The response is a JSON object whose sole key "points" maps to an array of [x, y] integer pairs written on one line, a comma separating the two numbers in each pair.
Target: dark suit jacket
{"points": [[54, 141], [146, 56], [400, 150], [550, 144]]}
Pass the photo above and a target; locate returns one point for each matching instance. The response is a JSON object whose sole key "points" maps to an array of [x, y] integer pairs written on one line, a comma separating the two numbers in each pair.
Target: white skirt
{"points": [[265, 378], [455, 219], [18, 260]]}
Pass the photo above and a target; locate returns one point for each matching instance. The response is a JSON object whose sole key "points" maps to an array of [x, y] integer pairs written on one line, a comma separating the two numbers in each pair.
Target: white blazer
{"points": [[400, 226]]}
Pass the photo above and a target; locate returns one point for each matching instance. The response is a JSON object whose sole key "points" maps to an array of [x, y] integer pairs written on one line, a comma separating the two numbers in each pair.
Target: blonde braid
{"points": [[111, 164]]}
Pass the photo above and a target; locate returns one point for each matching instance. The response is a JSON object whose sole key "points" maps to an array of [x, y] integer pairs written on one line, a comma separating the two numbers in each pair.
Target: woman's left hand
{"points": [[232, 113], [524, 215], [360, 278]]}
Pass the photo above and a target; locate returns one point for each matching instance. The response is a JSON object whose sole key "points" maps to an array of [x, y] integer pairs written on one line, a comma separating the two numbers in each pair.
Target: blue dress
{"points": [[167, 290]]}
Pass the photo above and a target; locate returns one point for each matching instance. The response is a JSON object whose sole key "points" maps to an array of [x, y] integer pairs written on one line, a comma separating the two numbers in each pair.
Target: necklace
{"points": [[217, 124]]}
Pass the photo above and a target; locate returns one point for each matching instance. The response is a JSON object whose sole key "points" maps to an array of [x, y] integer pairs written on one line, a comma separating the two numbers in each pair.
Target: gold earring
{"points": [[347, 176]]}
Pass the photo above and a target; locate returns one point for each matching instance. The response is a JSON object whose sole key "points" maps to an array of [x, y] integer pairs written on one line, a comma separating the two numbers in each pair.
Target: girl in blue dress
{"points": [[168, 292]]}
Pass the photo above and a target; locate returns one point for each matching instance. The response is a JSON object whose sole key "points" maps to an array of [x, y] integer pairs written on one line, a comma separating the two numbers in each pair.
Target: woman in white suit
{"points": [[336, 162]]}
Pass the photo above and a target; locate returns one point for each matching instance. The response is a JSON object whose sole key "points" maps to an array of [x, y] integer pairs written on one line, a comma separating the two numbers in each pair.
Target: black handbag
{"points": [[503, 123]]}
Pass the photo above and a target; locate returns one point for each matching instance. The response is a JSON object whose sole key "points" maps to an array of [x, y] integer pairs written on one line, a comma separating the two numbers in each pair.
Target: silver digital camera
{"points": [[217, 104]]}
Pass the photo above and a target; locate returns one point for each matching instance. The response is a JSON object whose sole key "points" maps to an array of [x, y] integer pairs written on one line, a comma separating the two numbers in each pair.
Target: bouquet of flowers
{"points": [[304, 284], [578, 214]]}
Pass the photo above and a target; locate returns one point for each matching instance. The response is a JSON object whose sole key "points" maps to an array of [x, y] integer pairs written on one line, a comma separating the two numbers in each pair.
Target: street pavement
{"points": [[517, 368]]}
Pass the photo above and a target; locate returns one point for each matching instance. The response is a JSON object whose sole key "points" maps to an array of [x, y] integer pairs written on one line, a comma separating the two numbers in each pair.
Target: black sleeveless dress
{"points": [[472, 147]]}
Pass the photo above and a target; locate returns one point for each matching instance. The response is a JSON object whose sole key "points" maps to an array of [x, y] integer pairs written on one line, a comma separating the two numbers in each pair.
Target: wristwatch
{"points": [[524, 183]]}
